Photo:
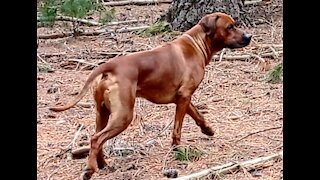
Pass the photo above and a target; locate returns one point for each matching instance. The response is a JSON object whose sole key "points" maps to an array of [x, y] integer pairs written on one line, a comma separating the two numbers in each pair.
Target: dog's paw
{"points": [[207, 131], [86, 174]]}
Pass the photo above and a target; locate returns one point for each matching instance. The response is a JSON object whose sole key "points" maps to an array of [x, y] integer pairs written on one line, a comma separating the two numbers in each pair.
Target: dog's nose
{"points": [[247, 36]]}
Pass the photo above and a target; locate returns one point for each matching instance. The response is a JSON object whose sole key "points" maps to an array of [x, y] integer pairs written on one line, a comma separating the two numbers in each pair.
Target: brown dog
{"points": [[166, 74]]}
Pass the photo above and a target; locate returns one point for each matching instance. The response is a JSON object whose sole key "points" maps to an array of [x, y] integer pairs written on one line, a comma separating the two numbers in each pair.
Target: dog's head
{"points": [[220, 28]]}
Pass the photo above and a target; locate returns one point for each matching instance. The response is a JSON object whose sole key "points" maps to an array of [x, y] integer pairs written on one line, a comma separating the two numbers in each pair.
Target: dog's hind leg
{"points": [[120, 97], [102, 117], [200, 121]]}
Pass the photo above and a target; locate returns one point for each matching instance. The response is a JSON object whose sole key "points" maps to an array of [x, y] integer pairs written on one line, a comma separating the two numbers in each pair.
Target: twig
{"points": [[85, 105], [271, 45], [75, 137], [274, 51], [258, 57], [166, 156], [231, 167], [135, 2], [252, 2], [221, 54], [165, 128], [42, 59], [273, 128], [150, 47]]}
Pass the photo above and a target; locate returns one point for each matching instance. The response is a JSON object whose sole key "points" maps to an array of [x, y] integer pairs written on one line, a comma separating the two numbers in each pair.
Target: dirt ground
{"points": [[245, 110]]}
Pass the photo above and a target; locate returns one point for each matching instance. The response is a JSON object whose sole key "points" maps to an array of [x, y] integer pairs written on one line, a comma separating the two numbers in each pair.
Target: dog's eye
{"points": [[230, 27]]}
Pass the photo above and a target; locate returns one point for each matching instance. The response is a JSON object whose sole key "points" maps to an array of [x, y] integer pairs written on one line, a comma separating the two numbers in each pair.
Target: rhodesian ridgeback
{"points": [[169, 73]]}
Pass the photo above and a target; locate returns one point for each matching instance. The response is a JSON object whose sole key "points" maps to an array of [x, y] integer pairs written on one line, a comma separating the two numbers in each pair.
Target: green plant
{"points": [[77, 8], [275, 75], [155, 29], [188, 154], [48, 12], [43, 69], [107, 16]]}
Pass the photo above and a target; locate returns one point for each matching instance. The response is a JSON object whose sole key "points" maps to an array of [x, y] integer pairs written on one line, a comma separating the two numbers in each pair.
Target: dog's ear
{"points": [[208, 24]]}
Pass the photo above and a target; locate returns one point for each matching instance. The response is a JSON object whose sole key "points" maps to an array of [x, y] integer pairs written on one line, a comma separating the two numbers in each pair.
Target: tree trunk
{"points": [[183, 14]]}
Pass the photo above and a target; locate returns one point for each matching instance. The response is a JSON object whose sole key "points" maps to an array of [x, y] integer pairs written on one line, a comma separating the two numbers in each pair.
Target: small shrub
{"points": [[275, 75], [77, 8], [107, 16], [48, 12], [188, 154], [44, 69], [155, 29]]}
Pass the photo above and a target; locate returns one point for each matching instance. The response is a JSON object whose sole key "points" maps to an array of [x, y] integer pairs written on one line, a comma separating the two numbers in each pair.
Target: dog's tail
{"points": [[100, 69]]}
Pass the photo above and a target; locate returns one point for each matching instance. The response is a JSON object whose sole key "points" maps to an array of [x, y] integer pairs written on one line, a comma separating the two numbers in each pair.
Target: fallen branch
{"points": [[82, 61], [124, 22], [92, 33], [250, 134], [135, 2], [80, 152], [90, 23], [47, 55], [72, 19], [149, 2], [67, 34], [252, 2], [231, 167], [246, 56]]}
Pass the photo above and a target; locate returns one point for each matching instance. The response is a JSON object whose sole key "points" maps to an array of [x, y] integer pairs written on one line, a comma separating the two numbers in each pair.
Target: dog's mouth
{"points": [[238, 44]]}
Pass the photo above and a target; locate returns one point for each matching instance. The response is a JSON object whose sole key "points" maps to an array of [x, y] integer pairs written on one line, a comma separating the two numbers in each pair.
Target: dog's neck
{"points": [[197, 38], [198, 44]]}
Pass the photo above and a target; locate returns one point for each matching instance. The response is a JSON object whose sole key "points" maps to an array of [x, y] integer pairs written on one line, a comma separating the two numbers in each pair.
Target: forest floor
{"points": [[234, 97]]}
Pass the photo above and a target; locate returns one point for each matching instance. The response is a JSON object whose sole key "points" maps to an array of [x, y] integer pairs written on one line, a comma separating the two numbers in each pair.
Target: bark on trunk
{"points": [[183, 14]]}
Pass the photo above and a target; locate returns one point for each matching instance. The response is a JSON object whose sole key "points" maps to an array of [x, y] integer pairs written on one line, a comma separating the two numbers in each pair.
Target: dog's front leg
{"points": [[200, 121], [181, 109]]}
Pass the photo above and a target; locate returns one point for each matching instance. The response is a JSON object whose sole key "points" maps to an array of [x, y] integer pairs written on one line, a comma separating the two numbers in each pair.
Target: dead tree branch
{"points": [[231, 167], [90, 23], [135, 2], [91, 33], [149, 2], [246, 56], [72, 19]]}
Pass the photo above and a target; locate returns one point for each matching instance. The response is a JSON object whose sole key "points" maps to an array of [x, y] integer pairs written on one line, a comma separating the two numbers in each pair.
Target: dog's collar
{"points": [[199, 47]]}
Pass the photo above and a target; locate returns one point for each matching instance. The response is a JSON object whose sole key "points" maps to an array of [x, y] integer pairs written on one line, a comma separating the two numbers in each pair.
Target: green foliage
{"points": [[275, 74], [188, 154], [48, 12], [155, 29], [107, 16], [43, 69], [77, 8]]}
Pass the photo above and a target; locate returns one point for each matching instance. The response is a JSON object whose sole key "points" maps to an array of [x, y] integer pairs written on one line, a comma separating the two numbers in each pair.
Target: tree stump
{"points": [[183, 14]]}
